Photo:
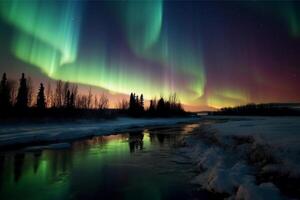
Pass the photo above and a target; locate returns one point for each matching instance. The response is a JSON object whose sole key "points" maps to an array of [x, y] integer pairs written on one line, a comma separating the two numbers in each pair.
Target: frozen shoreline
{"points": [[57, 132], [238, 157], [247, 157]]}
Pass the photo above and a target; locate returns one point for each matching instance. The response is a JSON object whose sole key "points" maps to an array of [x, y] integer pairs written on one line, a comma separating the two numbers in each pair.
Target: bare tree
{"points": [[49, 95], [83, 102], [74, 93], [65, 97], [103, 102], [95, 102], [89, 98], [12, 84], [78, 102], [58, 94], [173, 100], [123, 104], [30, 90]]}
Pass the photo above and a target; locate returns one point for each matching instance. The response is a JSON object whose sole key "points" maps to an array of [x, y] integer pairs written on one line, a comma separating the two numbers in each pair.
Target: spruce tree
{"points": [[142, 102], [160, 106], [131, 102], [151, 107], [4, 93], [41, 103], [22, 98]]}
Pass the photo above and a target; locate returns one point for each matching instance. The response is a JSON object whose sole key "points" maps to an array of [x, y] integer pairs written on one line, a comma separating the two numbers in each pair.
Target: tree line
{"points": [[64, 95], [20, 96], [161, 108], [265, 109]]}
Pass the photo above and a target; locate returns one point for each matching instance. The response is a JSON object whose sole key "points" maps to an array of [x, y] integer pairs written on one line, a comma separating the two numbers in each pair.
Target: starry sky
{"points": [[212, 54]]}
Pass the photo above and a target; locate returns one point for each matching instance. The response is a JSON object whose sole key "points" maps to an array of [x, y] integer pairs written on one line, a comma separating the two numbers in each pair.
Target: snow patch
{"points": [[12, 134], [231, 154]]}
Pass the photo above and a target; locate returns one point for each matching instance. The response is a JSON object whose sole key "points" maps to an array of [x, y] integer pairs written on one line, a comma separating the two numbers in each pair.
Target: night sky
{"points": [[212, 54]]}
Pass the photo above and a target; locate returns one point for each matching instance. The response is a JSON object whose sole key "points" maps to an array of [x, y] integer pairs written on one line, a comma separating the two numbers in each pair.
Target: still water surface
{"points": [[134, 165]]}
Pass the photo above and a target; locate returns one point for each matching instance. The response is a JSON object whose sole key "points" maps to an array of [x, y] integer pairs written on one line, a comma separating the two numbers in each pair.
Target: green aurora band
{"points": [[54, 27], [47, 36], [150, 48], [147, 26]]}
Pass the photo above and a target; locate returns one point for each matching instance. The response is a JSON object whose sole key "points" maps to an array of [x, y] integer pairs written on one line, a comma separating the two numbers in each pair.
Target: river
{"points": [[144, 164]]}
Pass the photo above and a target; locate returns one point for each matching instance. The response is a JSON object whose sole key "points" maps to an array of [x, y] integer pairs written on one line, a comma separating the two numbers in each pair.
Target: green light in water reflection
{"points": [[125, 164]]}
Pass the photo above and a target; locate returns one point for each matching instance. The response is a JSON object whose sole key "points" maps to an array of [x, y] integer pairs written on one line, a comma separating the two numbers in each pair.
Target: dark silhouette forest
{"points": [[18, 99], [267, 109]]}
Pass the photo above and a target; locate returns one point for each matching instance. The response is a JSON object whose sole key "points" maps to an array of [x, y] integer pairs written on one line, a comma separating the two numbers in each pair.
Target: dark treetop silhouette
{"points": [[66, 102]]}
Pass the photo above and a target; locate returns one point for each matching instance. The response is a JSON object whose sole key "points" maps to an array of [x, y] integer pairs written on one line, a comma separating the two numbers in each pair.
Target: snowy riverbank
{"points": [[247, 157], [236, 157], [23, 133]]}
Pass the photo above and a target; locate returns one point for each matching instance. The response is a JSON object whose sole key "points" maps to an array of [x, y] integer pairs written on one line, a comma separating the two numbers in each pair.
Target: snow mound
{"points": [[240, 158], [219, 174]]}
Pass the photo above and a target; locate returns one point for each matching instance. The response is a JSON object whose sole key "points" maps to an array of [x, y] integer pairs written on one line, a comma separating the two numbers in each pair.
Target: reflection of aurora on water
{"points": [[56, 173]]}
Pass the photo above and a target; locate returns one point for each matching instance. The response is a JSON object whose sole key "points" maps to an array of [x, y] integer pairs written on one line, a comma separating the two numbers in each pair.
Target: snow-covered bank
{"points": [[33, 133], [248, 157]]}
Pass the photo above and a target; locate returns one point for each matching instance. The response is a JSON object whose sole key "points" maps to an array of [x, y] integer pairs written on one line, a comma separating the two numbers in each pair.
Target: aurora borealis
{"points": [[212, 54]]}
